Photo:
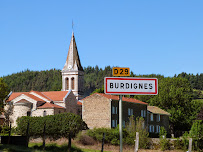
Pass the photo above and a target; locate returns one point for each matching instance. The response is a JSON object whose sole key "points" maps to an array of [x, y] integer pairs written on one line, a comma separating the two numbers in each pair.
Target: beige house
{"points": [[35, 103], [157, 118], [102, 110]]}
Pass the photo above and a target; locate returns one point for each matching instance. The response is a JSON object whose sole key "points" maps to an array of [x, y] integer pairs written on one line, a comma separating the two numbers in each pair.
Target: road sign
{"points": [[117, 71], [130, 86]]}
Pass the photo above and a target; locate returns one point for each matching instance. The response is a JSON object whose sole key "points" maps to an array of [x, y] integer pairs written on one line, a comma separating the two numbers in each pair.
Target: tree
{"points": [[175, 96], [3, 92]]}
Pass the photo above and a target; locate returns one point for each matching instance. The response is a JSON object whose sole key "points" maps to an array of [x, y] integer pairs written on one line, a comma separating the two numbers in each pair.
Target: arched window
{"points": [[72, 84], [67, 84], [44, 113]]}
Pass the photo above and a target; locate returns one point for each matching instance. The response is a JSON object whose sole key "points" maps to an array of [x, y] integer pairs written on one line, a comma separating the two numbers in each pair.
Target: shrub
{"points": [[196, 133], [164, 143], [132, 127], [85, 139], [178, 144]]}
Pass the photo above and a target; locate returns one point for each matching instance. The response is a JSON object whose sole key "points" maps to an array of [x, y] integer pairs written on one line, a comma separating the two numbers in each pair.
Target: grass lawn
{"points": [[38, 148]]}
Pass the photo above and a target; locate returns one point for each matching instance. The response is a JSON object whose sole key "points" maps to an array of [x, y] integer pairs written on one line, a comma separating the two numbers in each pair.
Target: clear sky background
{"points": [[148, 36]]}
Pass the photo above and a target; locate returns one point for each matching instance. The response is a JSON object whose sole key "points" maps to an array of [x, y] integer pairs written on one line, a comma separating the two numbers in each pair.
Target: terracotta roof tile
{"points": [[79, 103], [113, 97], [14, 95], [41, 94], [157, 110], [55, 95], [50, 106], [17, 94]]}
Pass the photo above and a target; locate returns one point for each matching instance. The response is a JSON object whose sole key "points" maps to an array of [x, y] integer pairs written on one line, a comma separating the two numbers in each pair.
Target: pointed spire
{"points": [[73, 60]]}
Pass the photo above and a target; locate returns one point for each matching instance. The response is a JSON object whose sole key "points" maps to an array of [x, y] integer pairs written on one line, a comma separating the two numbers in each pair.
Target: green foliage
{"points": [[196, 133], [137, 126], [111, 135], [59, 125], [3, 91], [162, 132], [129, 134], [175, 96], [164, 143], [185, 140], [196, 81], [94, 78], [5, 130], [49, 80]]}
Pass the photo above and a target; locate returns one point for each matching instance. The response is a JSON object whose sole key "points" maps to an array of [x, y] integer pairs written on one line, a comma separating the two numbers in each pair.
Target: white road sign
{"points": [[130, 86]]}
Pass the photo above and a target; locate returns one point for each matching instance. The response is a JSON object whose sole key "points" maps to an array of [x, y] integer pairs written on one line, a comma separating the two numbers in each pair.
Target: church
{"points": [[35, 103]]}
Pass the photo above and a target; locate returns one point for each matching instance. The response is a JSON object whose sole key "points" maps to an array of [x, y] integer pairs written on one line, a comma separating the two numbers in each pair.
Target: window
{"points": [[151, 128], [44, 113], [143, 113], [114, 110], [158, 118], [130, 111], [157, 129], [114, 123], [123, 124], [151, 117], [72, 84], [67, 84]]}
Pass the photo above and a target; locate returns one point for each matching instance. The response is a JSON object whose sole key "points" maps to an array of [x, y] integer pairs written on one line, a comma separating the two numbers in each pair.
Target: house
{"points": [[102, 110], [157, 118], [35, 103]]}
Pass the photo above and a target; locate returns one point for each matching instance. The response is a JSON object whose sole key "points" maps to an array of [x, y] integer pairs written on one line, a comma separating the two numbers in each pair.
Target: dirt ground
{"points": [[97, 146]]}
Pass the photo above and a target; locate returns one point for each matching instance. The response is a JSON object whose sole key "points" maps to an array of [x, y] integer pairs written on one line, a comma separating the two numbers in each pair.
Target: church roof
{"points": [[73, 59], [49, 95], [50, 106], [55, 95]]}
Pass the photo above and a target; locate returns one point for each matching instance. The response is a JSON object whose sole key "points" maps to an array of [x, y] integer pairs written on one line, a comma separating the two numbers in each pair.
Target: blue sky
{"points": [[148, 36]]}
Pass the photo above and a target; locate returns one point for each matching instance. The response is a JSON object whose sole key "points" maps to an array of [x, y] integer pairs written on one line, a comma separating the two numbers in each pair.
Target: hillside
{"points": [[50, 80]]}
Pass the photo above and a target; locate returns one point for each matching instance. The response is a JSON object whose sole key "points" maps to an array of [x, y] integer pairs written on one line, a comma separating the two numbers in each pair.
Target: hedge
{"points": [[59, 125]]}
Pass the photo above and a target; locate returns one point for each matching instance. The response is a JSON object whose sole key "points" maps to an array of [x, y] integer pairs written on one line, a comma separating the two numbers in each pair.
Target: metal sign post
{"points": [[120, 122]]}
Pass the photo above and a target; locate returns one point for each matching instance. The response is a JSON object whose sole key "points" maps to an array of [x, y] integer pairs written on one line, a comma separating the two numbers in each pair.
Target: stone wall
{"points": [[96, 111], [40, 112], [71, 103], [19, 110]]}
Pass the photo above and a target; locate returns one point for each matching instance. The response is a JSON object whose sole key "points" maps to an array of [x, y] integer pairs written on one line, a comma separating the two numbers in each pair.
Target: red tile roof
{"points": [[14, 95], [55, 95], [50, 95], [50, 106], [113, 97], [79, 103], [41, 94]]}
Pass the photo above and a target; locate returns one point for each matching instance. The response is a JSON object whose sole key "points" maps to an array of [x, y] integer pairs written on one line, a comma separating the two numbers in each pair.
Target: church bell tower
{"points": [[72, 72]]}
